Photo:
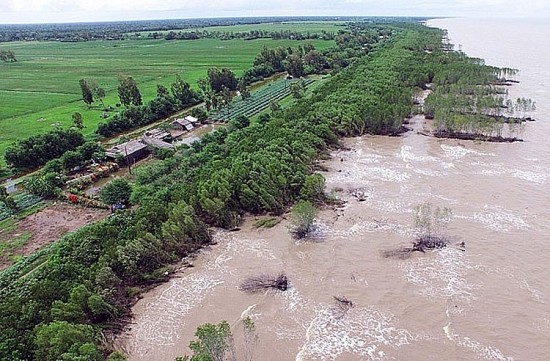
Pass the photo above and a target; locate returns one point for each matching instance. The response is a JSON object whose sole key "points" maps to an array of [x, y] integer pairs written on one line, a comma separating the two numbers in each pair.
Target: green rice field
{"points": [[41, 90]]}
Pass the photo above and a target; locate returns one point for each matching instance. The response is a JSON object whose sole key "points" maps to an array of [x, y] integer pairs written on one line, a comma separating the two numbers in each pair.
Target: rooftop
{"points": [[126, 148]]}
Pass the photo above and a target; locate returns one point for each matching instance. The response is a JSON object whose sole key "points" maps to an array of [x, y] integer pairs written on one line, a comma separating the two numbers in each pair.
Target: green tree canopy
{"points": [[116, 191], [128, 91]]}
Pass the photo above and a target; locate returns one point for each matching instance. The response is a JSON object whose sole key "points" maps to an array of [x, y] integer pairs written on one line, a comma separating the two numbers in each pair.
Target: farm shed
{"points": [[182, 124], [131, 151]]}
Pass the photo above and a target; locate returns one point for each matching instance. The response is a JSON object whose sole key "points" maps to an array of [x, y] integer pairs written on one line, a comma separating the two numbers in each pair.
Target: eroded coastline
{"points": [[343, 257]]}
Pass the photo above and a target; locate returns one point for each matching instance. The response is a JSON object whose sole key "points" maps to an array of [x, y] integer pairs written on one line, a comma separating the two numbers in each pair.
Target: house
{"points": [[182, 124], [131, 151]]}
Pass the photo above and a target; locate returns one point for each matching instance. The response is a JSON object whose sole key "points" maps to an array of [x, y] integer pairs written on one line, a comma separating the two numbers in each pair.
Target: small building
{"points": [[192, 120], [158, 133], [131, 151], [182, 124]]}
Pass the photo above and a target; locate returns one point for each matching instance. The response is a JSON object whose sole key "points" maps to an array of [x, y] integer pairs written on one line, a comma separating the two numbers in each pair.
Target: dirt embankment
{"points": [[46, 226]]}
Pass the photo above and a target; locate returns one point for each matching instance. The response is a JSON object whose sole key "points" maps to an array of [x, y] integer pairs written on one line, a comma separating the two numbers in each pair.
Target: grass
{"points": [[42, 88], [267, 222], [9, 239]]}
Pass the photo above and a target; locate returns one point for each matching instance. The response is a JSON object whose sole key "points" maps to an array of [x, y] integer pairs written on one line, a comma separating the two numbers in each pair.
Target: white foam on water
{"points": [[429, 172], [493, 172], [516, 276], [165, 316], [387, 174], [543, 326], [498, 219], [440, 273], [407, 155], [487, 352], [258, 248], [293, 299], [361, 228], [174, 303], [248, 312], [361, 173], [363, 332], [458, 152], [531, 176], [392, 206], [369, 158], [481, 350]]}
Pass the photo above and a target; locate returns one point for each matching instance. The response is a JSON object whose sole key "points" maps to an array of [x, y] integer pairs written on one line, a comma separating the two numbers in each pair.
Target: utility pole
{"points": [[127, 160]]}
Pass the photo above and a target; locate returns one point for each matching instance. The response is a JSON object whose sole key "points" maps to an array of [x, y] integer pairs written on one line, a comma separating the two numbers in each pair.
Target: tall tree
{"points": [[227, 96], [128, 91], [116, 191], [220, 78], [99, 94], [87, 95], [297, 89], [77, 121], [295, 65], [162, 91], [243, 89], [182, 91]]}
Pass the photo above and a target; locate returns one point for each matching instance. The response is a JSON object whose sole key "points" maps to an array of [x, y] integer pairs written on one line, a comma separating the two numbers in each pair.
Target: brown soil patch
{"points": [[49, 224]]}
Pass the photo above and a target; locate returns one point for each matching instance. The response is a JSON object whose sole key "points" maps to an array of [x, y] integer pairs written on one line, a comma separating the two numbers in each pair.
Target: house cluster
{"points": [[137, 149]]}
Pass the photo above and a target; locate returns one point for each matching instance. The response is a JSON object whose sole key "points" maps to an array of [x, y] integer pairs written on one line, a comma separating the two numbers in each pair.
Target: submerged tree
{"points": [[214, 343], [250, 338], [264, 283], [431, 223], [302, 219], [430, 226]]}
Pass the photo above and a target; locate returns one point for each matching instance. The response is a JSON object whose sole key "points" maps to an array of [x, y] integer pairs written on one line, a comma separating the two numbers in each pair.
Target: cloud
{"points": [[93, 10]]}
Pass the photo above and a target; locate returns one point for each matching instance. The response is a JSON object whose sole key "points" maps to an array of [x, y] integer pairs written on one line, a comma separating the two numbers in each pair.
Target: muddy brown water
{"points": [[487, 303]]}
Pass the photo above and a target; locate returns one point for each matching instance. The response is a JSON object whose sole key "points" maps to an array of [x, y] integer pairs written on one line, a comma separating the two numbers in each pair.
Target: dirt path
{"points": [[46, 226]]}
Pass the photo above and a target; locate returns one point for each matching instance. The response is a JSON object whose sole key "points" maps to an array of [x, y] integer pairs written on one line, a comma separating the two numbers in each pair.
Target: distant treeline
{"points": [[246, 35], [118, 30]]}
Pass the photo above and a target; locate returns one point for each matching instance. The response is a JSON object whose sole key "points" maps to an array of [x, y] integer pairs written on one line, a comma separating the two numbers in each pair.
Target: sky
{"points": [[44, 11]]}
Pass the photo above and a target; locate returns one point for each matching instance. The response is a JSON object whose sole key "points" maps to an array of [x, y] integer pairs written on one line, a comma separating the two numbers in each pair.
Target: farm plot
{"points": [[259, 100]]}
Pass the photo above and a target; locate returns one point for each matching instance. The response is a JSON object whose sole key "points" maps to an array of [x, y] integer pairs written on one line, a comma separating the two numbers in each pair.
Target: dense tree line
{"points": [[131, 29], [54, 304], [37, 150], [136, 114], [245, 35], [468, 99]]}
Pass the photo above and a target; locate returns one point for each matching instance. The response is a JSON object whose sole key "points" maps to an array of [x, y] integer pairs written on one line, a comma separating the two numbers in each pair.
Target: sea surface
{"points": [[489, 302]]}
